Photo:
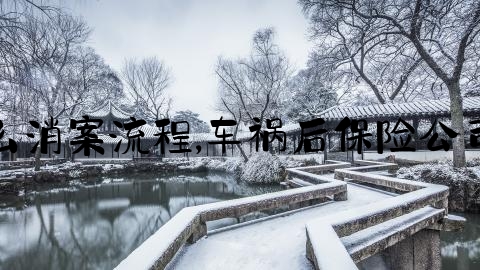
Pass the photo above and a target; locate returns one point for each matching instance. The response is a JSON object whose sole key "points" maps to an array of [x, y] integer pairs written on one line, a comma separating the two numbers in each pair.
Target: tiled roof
{"points": [[150, 132], [422, 108], [109, 140]]}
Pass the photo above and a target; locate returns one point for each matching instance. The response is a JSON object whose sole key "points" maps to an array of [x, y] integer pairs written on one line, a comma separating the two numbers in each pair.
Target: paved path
{"points": [[273, 243]]}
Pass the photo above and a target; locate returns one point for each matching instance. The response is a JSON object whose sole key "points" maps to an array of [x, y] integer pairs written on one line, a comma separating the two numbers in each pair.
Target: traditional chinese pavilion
{"points": [[109, 112]]}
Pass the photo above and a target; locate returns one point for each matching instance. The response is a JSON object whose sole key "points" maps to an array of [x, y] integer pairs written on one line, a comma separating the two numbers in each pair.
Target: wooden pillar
{"points": [[328, 137], [9, 155], [432, 121], [416, 137], [294, 142], [325, 150], [346, 142]]}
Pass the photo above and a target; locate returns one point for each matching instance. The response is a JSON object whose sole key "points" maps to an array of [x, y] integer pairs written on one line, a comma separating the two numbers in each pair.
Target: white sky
{"points": [[189, 35]]}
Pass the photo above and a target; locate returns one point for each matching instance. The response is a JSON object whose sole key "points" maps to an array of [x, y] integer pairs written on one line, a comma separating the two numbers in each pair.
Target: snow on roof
{"points": [[109, 140], [109, 110], [150, 132], [24, 138], [17, 138], [416, 108]]}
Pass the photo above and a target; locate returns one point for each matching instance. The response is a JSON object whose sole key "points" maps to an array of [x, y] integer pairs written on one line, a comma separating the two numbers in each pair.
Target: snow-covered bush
{"points": [[289, 162], [311, 162], [463, 183], [229, 165], [439, 172], [263, 167], [474, 162]]}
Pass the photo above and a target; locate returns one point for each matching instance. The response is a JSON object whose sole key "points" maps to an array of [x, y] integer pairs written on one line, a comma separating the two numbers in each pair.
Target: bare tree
{"points": [[56, 67], [146, 82], [37, 45], [47, 70], [196, 124], [13, 15], [253, 87], [441, 34], [88, 83], [308, 95], [51, 47], [16, 63]]}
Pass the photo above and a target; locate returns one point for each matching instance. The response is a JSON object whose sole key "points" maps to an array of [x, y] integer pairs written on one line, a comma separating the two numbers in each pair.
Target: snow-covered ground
{"points": [[422, 155]]}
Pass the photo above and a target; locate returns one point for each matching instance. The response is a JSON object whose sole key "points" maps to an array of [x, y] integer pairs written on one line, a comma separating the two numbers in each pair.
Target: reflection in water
{"points": [[461, 250], [96, 226]]}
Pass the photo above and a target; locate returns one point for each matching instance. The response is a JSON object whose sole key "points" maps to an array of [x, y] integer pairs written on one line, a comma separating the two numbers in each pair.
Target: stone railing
{"points": [[354, 235], [189, 224]]}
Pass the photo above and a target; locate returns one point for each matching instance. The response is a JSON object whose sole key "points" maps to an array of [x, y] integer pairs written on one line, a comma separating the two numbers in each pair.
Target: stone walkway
{"points": [[273, 243]]}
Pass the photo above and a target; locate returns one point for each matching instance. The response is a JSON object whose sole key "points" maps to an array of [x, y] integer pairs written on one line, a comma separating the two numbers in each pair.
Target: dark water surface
{"points": [[96, 225], [461, 250]]}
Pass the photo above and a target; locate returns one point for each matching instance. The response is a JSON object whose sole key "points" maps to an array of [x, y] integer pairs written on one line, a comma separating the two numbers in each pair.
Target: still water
{"points": [[461, 250], [96, 225]]}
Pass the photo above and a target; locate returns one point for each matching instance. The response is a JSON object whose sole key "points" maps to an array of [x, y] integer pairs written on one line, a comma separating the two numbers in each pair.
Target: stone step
{"points": [[372, 240], [297, 182]]}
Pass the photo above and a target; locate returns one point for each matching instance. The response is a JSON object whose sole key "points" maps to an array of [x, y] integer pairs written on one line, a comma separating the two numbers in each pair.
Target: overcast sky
{"points": [[189, 35]]}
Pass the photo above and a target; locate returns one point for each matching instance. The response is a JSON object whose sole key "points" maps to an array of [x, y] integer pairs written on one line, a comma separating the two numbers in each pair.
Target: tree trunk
{"points": [[456, 108], [68, 150], [38, 155], [245, 158]]}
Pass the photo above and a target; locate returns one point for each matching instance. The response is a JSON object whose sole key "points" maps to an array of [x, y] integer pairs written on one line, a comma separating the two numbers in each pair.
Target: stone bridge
{"points": [[354, 218]]}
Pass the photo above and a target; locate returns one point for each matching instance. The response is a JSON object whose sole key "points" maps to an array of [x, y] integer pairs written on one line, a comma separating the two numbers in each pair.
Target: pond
{"points": [[97, 224], [461, 250], [94, 225]]}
